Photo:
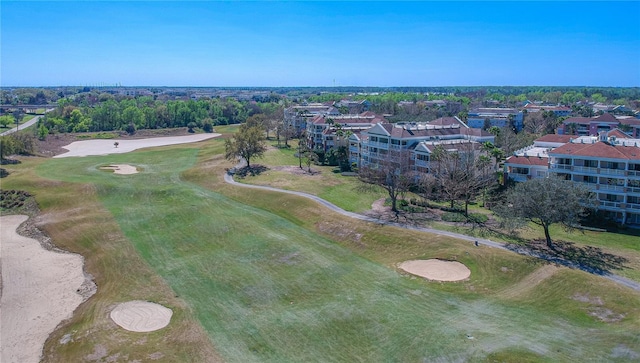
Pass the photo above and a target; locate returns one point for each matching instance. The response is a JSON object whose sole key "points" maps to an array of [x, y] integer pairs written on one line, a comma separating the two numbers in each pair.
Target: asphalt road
{"points": [[485, 242], [23, 126]]}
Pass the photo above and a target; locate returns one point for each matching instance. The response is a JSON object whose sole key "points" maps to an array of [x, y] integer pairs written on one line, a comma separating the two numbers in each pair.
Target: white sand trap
{"points": [[106, 147], [39, 290], [437, 270], [141, 316], [124, 169]]}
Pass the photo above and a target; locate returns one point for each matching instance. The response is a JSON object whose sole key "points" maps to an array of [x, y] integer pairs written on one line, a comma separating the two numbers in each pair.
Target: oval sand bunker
{"points": [[438, 270], [121, 169], [141, 316]]}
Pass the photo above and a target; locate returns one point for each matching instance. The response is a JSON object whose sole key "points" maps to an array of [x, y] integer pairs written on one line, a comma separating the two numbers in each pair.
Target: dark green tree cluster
{"points": [[144, 113], [16, 143]]}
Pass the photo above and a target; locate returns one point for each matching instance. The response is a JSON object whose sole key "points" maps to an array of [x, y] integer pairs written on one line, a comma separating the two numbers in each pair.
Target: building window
{"points": [[591, 163], [518, 170]]}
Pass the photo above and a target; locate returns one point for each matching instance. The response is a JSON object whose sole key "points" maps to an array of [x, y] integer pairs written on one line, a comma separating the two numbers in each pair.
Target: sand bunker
{"points": [[141, 316], [39, 290], [105, 147], [124, 169], [437, 270]]}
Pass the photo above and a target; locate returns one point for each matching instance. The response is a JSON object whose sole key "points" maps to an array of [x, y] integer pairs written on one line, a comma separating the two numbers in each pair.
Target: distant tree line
{"points": [[132, 114]]}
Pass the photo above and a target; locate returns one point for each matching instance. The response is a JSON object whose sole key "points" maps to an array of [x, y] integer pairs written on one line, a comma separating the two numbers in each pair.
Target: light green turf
{"points": [[269, 290]]}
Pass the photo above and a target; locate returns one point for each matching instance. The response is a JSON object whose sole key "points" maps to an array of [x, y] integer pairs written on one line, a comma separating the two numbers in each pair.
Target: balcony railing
{"points": [[633, 173], [561, 167], [617, 188], [633, 206], [585, 169], [354, 149], [610, 204], [518, 177], [633, 190], [612, 171], [380, 145], [422, 163]]}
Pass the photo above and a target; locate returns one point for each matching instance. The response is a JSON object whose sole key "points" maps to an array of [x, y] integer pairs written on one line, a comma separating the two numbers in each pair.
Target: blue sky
{"points": [[271, 43]]}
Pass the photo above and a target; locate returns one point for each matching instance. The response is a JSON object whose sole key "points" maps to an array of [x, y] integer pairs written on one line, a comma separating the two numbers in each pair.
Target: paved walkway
{"points": [[23, 126], [615, 278]]}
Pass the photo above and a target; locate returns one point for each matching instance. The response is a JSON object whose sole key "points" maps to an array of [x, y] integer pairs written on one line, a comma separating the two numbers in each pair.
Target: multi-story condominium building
{"points": [[559, 111], [533, 161], [494, 116], [324, 131], [610, 167], [297, 117], [608, 164], [353, 107], [372, 146], [592, 126], [588, 126]]}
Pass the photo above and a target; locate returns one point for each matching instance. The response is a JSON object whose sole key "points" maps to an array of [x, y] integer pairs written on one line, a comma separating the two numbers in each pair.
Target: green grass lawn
{"points": [[344, 192], [274, 278]]}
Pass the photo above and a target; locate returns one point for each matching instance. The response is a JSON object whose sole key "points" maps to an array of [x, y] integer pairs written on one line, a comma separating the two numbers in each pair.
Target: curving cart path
{"points": [[615, 278]]}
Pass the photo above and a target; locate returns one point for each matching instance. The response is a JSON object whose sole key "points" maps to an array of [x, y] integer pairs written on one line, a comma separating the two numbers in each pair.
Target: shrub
{"points": [[130, 129], [460, 217], [453, 217]]}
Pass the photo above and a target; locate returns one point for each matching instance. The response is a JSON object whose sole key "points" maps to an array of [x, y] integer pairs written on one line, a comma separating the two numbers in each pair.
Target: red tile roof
{"points": [[555, 138], [630, 121], [607, 117], [445, 121], [599, 149], [363, 118], [528, 160], [618, 134]]}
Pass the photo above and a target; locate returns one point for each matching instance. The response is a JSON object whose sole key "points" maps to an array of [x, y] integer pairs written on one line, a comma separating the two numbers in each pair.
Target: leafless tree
{"points": [[392, 172]]}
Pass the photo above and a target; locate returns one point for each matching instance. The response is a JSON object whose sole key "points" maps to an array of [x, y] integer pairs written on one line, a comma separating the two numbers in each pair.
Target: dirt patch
{"points": [[585, 298], [99, 352], [529, 282], [597, 309], [605, 315], [437, 270], [295, 170], [341, 231]]}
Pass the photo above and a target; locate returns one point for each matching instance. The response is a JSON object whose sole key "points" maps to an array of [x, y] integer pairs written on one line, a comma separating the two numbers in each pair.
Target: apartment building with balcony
{"points": [[371, 146], [296, 117], [495, 116], [610, 167], [588, 126], [533, 161], [324, 132], [558, 110]]}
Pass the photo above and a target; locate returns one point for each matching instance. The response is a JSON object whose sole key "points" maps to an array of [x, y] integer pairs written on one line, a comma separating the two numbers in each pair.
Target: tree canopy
{"points": [[545, 202], [247, 143]]}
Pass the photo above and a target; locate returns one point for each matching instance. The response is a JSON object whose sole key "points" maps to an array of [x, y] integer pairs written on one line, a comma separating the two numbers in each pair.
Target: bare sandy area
{"points": [[39, 290], [124, 169], [106, 147], [437, 270], [141, 316]]}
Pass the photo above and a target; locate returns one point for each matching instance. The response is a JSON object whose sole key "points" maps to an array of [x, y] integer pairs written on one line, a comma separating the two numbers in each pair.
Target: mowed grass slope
{"points": [[277, 278], [346, 193]]}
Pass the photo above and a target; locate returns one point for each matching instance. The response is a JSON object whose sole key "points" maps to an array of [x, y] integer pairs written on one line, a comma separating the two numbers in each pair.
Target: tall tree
{"points": [[18, 115], [545, 202], [448, 173], [247, 143]]}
